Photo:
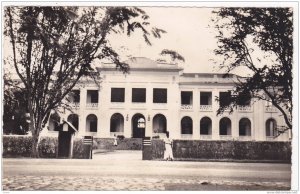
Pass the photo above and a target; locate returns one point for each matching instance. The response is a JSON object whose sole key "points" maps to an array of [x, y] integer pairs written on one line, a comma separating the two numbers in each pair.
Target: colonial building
{"points": [[158, 97]]}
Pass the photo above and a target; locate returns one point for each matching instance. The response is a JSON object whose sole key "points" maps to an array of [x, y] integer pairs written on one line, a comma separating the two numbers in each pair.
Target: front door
{"points": [[64, 144], [138, 126]]}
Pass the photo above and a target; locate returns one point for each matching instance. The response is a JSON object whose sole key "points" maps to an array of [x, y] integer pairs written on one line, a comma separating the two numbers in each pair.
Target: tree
{"points": [[260, 40], [14, 120], [53, 47]]}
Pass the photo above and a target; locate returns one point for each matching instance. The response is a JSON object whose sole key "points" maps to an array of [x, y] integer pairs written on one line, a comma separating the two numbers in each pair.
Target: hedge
{"points": [[231, 150], [20, 146], [16, 146], [78, 151], [123, 144]]}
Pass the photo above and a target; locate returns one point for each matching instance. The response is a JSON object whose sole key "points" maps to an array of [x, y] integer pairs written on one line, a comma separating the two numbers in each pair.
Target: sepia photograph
{"points": [[150, 97]]}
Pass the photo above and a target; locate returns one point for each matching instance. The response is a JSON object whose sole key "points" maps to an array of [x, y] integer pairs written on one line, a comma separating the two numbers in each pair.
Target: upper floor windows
{"points": [[205, 98], [224, 98], [92, 96], [75, 96], [138, 94], [160, 95], [244, 99], [117, 95], [186, 98]]}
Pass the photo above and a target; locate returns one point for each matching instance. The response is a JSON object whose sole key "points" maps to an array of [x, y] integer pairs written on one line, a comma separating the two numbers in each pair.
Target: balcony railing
{"points": [[245, 138], [244, 108], [186, 107], [75, 105], [160, 106], [225, 137], [205, 107], [270, 109], [186, 136], [271, 138], [92, 105], [138, 105], [117, 105], [112, 134], [205, 137]]}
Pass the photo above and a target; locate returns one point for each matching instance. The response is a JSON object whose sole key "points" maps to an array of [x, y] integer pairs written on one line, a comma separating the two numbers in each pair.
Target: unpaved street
{"points": [[125, 170]]}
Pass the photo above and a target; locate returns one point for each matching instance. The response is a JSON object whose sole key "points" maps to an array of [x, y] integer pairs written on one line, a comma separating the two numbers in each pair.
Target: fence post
{"points": [[147, 148]]}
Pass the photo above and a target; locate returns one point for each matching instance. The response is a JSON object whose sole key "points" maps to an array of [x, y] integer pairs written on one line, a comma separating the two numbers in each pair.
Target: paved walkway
{"points": [[125, 170]]}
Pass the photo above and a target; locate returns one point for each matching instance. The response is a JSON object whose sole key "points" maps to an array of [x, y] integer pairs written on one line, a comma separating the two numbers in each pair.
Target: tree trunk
{"points": [[35, 148], [35, 140]]}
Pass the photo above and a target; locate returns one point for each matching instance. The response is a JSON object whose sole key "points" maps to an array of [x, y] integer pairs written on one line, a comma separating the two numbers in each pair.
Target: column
{"points": [[81, 124], [235, 126], [196, 127], [148, 130], [127, 126], [215, 119]]}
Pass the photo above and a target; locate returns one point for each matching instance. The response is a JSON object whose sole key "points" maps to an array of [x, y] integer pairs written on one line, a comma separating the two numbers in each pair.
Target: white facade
{"points": [[188, 111]]}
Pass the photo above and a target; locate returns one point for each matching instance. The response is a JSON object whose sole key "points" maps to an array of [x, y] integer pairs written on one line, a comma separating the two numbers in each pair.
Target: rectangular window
{"points": [[92, 96], [75, 96], [138, 94], [159, 95], [187, 98], [225, 98], [205, 98], [244, 100], [117, 95]]}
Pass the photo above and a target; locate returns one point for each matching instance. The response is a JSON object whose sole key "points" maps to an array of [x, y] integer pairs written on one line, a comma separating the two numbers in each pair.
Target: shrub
{"points": [[16, 146], [78, 151], [120, 137], [237, 150], [48, 147]]}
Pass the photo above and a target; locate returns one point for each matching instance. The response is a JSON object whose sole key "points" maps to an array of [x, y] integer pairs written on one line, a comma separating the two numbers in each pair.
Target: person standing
{"points": [[168, 154], [115, 140]]}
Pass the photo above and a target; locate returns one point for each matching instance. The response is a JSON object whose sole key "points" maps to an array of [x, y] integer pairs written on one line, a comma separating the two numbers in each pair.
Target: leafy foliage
{"points": [[53, 47], [243, 31], [14, 121], [173, 54]]}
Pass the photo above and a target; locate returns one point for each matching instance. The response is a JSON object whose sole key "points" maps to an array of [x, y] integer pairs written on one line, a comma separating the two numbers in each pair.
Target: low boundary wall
{"points": [[20, 146], [225, 150]]}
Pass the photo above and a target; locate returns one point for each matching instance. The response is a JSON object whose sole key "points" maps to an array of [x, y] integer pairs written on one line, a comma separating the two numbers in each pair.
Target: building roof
{"points": [[143, 63], [215, 78]]}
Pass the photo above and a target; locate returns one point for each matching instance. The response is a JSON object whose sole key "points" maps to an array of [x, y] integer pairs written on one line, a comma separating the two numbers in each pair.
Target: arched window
{"points": [[225, 126], [117, 123], [91, 123], [271, 126], [74, 120], [245, 127], [54, 122], [159, 124], [186, 125], [205, 126]]}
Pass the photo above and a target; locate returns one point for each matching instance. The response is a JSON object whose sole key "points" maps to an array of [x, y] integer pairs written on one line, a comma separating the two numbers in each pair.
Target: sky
{"points": [[188, 33]]}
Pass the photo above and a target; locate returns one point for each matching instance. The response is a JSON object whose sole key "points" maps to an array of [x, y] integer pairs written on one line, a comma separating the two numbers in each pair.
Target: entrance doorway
{"points": [[64, 144], [138, 124]]}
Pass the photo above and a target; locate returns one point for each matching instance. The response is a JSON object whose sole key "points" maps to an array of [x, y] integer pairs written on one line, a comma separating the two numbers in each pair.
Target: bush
{"points": [[20, 146], [120, 137], [237, 150], [48, 147], [78, 151], [16, 146], [123, 144], [155, 137]]}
